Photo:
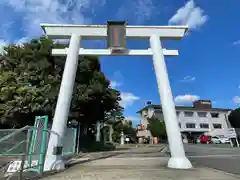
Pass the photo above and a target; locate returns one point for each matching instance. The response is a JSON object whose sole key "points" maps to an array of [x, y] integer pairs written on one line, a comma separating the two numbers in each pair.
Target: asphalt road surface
{"points": [[220, 157], [141, 163]]}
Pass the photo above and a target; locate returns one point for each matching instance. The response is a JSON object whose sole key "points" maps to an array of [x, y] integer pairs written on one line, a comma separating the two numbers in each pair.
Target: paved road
{"points": [[215, 156], [140, 164], [220, 157]]}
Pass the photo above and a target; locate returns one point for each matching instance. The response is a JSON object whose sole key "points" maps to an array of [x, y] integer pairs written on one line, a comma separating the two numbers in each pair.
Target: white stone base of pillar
{"points": [[58, 165], [54, 162], [179, 163]]}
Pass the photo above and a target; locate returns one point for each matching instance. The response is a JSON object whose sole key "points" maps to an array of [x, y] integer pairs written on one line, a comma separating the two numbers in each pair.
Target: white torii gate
{"points": [[154, 34]]}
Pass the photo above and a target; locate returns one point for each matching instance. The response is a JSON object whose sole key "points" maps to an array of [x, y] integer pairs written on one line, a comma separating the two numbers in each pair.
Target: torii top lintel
{"points": [[99, 32]]}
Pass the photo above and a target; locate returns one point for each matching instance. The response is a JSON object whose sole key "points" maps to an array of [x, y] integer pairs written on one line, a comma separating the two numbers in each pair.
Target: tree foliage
{"points": [[125, 127], [30, 78], [234, 118], [156, 127]]}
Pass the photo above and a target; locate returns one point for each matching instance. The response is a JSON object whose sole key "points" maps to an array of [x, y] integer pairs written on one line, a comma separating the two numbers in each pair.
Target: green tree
{"points": [[156, 127], [234, 118], [29, 81], [116, 113], [30, 78], [125, 127]]}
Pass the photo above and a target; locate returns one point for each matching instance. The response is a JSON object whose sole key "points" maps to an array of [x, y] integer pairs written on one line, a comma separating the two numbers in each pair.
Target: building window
{"points": [[214, 115], [217, 126], [202, 114], [188, 114], [190, 125], [204, 125], [179, 125]]}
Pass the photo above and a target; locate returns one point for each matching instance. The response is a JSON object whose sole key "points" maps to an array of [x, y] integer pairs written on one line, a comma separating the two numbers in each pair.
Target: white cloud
{"points": [[189, 15], [117, 75], [236, 100], [137, 11], [128, 99], [185, 99], [34, 12], [115, 84], [21, 40], [2, 44], [188, 79], [17, 42], [132, 118], [236, 42]]}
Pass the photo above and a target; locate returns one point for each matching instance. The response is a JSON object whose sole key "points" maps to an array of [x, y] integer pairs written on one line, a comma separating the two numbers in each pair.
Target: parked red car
{"points": [[205, 139]]}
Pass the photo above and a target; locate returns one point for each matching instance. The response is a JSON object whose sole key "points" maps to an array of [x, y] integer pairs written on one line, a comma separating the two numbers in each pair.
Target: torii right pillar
{"points": [[178, 158]]}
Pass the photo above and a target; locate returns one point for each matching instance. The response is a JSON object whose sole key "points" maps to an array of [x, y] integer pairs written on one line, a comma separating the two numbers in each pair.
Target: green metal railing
{"points": [[32, 142], [13, 141]]}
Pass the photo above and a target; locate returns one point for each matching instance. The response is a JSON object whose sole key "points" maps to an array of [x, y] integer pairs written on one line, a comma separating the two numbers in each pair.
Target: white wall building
{"points": [[201, 118]]}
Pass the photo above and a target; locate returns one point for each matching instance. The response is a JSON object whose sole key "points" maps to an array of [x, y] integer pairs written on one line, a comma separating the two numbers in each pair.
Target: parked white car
{"points": [[224, 140], [215, 140], [220, 140]]}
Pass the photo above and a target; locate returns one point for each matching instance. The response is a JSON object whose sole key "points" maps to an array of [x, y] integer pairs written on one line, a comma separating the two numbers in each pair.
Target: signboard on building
{"points": [[206, 102], [203, 104]]}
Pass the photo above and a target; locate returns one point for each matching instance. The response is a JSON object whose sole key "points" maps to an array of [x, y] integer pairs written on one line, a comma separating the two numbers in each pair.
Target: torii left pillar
{"points": [[53, 158]]}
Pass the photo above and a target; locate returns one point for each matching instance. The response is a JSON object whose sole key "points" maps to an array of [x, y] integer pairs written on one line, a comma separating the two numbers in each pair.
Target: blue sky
{"points": [[208, 64]]}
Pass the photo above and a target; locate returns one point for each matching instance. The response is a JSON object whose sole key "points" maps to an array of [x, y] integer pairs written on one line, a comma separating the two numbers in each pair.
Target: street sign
{"points": [[15, 166]]}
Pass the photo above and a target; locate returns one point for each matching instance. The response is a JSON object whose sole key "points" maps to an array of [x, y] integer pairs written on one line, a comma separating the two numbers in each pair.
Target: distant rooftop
{"points": [[200, 105]]}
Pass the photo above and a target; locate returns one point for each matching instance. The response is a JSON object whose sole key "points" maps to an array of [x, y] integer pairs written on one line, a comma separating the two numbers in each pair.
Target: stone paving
{"points": [[120, 150], [115, 168]]}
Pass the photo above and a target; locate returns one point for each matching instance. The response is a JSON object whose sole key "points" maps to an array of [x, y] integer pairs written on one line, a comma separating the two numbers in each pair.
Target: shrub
{"points": [[100, 146]]}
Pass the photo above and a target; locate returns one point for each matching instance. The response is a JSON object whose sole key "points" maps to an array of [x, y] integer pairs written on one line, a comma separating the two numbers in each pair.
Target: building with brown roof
{"points": [[200, 118]]}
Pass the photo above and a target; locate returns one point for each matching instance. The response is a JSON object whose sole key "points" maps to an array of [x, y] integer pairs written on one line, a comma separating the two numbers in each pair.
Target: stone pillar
{"points": [[98, 133], [110, 133], [178, 158], [122, 138]]}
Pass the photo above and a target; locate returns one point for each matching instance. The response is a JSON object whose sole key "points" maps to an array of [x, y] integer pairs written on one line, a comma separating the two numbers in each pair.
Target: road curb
{"points": [[229, 174], [74, 161], [164, 149]]}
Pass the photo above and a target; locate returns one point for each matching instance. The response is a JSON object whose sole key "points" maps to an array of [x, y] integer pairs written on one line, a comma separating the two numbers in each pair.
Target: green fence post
{"points": [[43, 143], [32, 143], [75, 137], [43, 133]]}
